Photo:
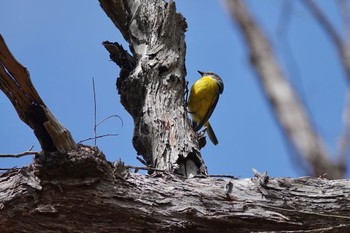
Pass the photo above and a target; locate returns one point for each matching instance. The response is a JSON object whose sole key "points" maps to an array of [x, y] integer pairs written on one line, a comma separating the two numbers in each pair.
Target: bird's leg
{"points": [[201, 138], [201, 133]]}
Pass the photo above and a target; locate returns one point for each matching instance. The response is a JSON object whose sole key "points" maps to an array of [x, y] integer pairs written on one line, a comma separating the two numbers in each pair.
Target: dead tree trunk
{"points": [[79, 191], [152, 82], [85, 193]]}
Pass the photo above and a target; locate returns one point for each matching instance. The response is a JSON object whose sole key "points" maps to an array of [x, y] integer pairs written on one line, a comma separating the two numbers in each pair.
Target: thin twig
{"points": [[31, 148], [95, 119], [323, 21], [7, 169], [100, 136], [28, 152], [341, 46], [95, 112], [141, 160], [115, 115], [19, 155], [344, 10]]}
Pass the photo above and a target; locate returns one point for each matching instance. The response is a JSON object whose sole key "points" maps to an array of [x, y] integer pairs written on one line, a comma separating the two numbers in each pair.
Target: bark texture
{"points": [[152, 82], [85, 193], [287, 106], [16, 84]]}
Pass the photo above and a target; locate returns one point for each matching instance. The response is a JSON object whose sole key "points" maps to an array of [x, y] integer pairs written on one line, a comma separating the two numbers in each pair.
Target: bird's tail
{"points": [[211, 134]]}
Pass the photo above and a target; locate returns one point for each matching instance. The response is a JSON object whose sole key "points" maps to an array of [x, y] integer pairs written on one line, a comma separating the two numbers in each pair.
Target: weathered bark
{"points": [[85, 193], [289, 110], [17, 86], [151, 83], [80, 191]]}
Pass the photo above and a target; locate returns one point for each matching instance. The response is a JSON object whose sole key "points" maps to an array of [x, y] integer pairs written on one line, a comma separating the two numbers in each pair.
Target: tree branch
{"points": [[341, 46], [344, 139], [343, 49], [16, 84], [151, 83], [288, 108], [19, 155], [87, 193]]}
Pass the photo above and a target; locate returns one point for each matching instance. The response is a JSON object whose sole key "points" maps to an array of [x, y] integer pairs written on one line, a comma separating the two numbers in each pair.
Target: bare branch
{"points": [[289, 110], [15, 82], [344, 141], [109, 117], [101, 136], [151, 84], [38, 198], [323, 20], [341, 46], [28, 152], [20, 154], [95, 111], [344, 10]]}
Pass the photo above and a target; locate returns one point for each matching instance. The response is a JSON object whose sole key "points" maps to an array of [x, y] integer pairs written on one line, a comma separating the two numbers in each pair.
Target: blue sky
{"points": [[60, 44]]}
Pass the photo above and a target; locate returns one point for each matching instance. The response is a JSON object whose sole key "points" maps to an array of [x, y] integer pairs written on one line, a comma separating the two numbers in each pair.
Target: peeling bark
{"points": [[86, 193], [152, 82], [79, 191], [16, 84]]}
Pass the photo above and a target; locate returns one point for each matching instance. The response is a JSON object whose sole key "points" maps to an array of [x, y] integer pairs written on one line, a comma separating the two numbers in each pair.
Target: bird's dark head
{"points": [[214, 76]]}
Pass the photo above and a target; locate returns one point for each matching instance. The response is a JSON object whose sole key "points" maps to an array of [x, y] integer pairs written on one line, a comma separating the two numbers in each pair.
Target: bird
{"points": [[204, 95]]}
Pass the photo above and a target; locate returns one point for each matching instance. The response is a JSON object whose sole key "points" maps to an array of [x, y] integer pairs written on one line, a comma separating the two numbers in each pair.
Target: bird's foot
{"points": [[201, 138]]}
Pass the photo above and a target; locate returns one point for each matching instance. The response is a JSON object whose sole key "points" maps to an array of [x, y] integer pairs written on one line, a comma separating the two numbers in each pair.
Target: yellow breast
{"points": [[203, 94]]}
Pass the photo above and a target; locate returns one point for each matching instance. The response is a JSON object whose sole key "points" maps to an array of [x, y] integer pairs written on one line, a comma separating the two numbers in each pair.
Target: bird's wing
{"points": [[208, 114]]}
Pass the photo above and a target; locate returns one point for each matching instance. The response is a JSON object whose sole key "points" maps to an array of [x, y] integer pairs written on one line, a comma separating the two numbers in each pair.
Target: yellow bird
{"points": [[204, 96]]}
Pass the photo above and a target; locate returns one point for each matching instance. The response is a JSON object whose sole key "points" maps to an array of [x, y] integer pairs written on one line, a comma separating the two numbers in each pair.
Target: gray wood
{"points": [[86, 193], [151, 83], [16, 84]]}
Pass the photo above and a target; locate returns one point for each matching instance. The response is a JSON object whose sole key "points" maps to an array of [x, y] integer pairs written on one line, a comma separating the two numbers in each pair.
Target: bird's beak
{"points": [[201, 73]]}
